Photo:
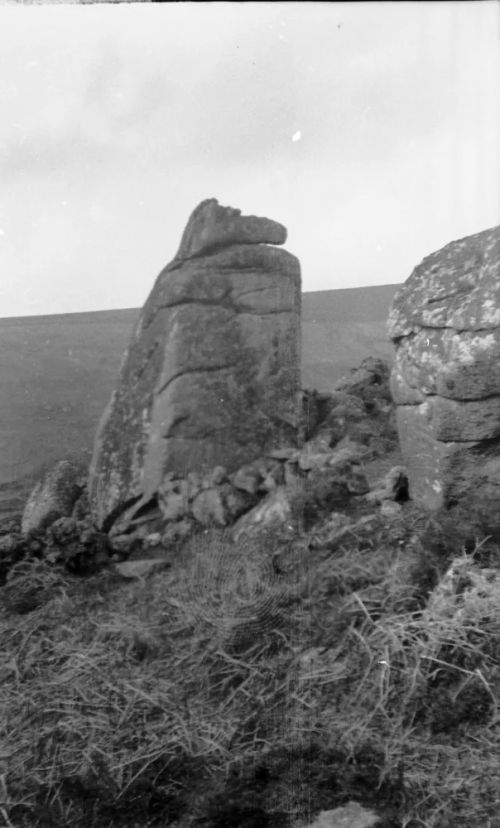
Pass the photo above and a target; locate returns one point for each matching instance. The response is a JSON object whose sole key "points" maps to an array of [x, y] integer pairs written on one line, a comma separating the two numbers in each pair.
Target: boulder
{"points": [[273, 511], [391, 510], [211, 376], [248, 479], [53, 497], [445, 324], [352, 815], [220, 506], [173, 506], [209, 509]]}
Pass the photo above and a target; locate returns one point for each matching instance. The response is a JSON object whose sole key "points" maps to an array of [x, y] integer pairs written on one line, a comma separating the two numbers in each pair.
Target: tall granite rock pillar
{"points": [[445, 324], [212, 373]]}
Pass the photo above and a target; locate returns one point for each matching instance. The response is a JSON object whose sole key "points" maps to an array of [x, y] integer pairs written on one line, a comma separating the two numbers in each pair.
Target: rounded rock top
{"points": [[456, 287]]}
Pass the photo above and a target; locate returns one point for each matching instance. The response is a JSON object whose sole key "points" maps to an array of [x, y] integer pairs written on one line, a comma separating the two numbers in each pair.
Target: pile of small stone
{"points": [[291, 487]]}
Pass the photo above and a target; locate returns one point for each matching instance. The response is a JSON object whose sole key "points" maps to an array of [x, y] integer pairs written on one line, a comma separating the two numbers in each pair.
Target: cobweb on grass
{"points": [[231, 587]]}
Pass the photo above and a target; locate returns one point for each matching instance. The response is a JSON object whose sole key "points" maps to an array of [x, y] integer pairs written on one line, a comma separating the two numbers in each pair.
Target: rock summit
{"points": [[211, 376]]}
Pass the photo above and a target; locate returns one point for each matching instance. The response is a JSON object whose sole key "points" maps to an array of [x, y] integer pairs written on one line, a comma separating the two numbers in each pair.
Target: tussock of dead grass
{"points": [[134, 704]]}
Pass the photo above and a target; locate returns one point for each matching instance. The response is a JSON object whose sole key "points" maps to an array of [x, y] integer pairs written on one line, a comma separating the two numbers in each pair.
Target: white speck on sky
{"points": [[119, 118]]}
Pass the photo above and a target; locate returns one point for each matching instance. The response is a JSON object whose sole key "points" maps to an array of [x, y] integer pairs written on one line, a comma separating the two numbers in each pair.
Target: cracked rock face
{"points": [[211, 376], [445, 324]]}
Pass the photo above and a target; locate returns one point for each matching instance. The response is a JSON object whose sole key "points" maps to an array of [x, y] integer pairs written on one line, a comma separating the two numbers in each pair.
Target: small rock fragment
{"points": [[53, 497], [140, 568], [352, 815]]}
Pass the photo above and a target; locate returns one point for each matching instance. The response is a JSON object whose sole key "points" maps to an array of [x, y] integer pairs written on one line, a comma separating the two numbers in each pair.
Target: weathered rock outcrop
{"points": [[445, 324], [53, 497], [315, 486], [211, 376]]}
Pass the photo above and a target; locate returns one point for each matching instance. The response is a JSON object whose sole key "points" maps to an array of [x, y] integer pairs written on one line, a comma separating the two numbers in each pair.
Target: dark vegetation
{"points": [[214, 694], [259, 682]]}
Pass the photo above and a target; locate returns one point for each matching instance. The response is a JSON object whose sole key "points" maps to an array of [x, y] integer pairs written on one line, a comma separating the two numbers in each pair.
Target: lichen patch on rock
{"points": [[445, 324]]}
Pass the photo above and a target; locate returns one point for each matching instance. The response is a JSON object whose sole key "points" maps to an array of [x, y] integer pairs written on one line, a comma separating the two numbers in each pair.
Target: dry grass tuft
{"points": [[256, 678]]}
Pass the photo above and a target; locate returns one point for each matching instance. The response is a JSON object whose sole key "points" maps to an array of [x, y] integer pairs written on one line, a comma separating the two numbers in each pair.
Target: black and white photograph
{"points": [[250, 414]]}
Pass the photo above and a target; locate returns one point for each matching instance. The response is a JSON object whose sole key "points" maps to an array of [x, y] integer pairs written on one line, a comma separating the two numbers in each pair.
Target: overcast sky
{"points": [[372, 131]]}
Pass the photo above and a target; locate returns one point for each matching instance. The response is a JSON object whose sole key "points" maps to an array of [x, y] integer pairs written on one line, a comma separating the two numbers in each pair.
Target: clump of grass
{"points": [[228, 687], [112, 690]]}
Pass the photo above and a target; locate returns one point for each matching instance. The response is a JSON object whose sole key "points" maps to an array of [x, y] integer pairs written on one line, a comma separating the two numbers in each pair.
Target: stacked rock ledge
{"points": [[445, 324], [211, 376]]}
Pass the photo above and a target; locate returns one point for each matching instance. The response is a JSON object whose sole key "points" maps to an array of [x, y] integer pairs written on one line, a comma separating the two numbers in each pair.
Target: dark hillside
{"points": [[340, 328], [56, 374], [365, 304]]}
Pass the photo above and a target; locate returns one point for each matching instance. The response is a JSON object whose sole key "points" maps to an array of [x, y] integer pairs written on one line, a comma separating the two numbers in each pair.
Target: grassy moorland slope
{"points": [[56, 375], [339, 329], [57, 372], [254, 684]]}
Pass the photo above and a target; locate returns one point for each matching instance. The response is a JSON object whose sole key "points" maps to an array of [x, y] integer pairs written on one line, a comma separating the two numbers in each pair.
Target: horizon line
{"points": [[138, 307]]}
